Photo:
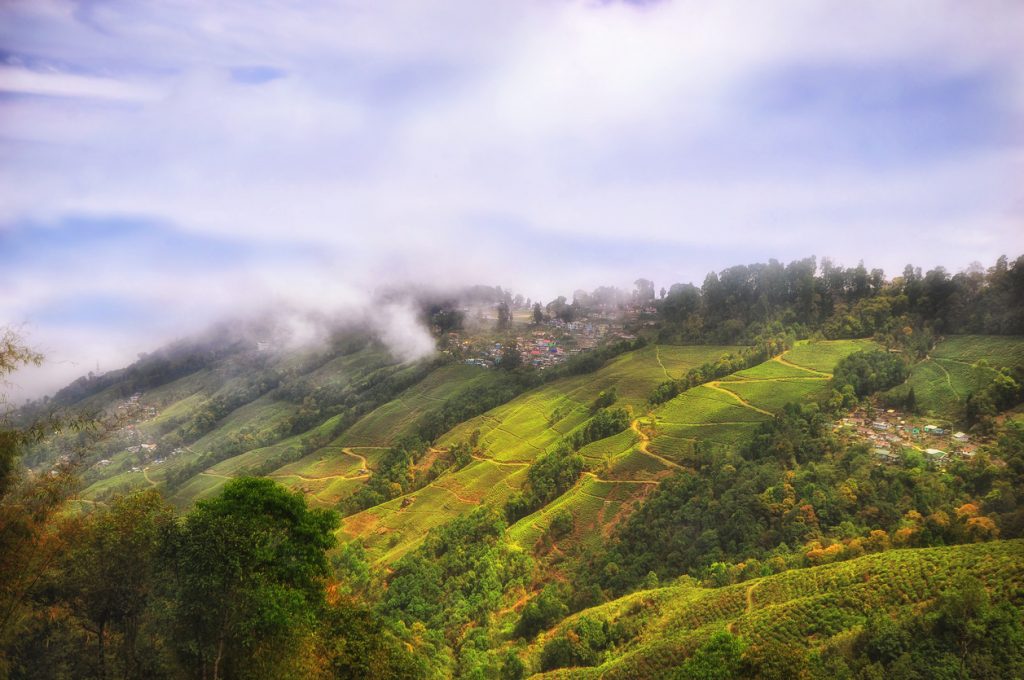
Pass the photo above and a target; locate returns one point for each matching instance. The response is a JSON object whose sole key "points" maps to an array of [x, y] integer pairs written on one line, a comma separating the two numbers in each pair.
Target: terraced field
{"points": [[823, 355], [957, 366], [808, 607], [726, 412], [622, 469], [516, 433], [384, 425]]}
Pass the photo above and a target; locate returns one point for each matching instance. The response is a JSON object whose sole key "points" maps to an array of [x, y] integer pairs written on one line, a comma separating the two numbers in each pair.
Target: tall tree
{"points": [[250, 567]]}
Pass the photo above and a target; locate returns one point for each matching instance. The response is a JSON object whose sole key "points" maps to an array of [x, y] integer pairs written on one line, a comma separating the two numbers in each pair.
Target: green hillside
{"points": [[958, 366], [812, 609]]}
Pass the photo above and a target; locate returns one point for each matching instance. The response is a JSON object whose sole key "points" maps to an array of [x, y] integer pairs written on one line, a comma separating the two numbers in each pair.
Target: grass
{"points": [[263, 416], [773, 395], [997, 350], [533, 422], [702, 405], [805, 607], [597, 506], [389, 530], [385, 424], [823, 355], [957, 366]]}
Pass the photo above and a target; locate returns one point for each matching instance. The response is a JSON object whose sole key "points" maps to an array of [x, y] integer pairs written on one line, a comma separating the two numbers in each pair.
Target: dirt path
{"points": [[750, 607], [145, 473], [362, 461], [524, 598], [499, 462], [304, 478], [750, 598], [657, 355], [787, 362], [949, 380], [715, 385], [457, 496], [740, 381], [645, 442]]}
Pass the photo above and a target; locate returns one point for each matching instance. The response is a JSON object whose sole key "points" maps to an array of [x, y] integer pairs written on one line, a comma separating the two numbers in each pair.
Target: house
{"points": [[880, 426], [961, 438], [886, 456], [935, 455]]}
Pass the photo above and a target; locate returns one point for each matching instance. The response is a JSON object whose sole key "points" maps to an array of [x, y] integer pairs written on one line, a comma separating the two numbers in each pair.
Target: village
{"points": [[129, 439], [543, 345], [891, 433]]}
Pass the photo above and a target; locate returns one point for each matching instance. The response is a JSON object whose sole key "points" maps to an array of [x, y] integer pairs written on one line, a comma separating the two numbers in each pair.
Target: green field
{"points": [[385, 424], [813, 607], [997, 350], [823, 355], [774, 394], [530, 424], [956, 367]]}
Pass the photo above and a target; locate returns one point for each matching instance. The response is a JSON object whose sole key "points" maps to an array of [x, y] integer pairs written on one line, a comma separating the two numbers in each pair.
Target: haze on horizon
{"points": [[164, 165]]}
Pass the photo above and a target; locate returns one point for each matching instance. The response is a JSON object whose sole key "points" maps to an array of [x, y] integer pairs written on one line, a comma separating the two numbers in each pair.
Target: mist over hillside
{"points": [[576, 339]]}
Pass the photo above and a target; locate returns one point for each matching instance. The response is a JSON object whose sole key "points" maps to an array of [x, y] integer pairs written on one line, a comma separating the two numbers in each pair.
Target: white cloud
{"points": [[468, 141]]}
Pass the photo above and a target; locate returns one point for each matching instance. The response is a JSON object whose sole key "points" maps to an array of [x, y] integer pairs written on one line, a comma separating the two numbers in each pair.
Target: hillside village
{"points": [[893, 434]]}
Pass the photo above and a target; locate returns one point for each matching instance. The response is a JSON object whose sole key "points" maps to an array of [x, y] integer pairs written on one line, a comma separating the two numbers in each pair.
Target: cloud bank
{"points": [[164, 164]]}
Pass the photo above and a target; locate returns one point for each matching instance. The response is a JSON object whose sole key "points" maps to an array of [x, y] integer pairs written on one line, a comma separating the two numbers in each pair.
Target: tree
{"points": [[110, 577], [538, 314], [511, 357], [504, 316], [28, 504], [720, 658], [250, 566]]}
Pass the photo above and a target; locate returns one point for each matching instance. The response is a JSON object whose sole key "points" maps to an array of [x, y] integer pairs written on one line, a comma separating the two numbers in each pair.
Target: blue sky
{"points": [[164, 164]]}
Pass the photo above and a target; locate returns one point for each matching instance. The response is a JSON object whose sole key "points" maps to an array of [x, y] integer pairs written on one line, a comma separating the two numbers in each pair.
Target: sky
{"points": [[165, 164]]}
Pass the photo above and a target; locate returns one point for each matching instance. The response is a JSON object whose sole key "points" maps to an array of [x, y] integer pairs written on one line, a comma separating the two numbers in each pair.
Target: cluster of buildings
{"points": [[890, 432], [134, 412], [548, 344]]}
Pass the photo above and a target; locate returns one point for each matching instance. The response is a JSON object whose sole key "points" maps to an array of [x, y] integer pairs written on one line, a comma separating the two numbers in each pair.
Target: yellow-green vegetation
{"points": [[810, 609], [385, 424], [823, 355], [525, 426], [513, 435], [995, 350], [772, 395], [596, 506], [957, 367]]}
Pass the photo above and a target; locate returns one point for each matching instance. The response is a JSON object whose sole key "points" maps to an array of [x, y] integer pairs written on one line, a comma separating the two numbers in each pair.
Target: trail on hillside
{"points": [[349, 452], [787, 362], [750, 597], [657, 355], [645, 442], [457, 496], [475, 456], [285, 475], [145, 473], [949, 380], [716, 385], [808, 378]]}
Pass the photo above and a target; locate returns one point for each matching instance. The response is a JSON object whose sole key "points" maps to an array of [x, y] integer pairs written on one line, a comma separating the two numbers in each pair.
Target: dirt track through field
{"points": [[716, 385]]}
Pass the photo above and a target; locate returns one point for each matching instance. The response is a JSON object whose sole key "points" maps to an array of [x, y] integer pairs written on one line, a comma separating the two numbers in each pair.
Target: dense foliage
{"points": [[795, 496], [869, 372]]}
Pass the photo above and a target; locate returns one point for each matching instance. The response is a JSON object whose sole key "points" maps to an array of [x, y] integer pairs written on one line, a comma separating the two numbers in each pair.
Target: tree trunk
{"points": [[216, 661]]}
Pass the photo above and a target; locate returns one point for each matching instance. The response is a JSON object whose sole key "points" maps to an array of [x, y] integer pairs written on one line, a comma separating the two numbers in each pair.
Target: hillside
{"points": [[814, 609], [511, 503]]}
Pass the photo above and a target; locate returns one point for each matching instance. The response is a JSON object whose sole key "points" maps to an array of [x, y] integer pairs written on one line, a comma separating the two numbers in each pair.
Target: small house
{"points": [[961, 438], [886, 456]]}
